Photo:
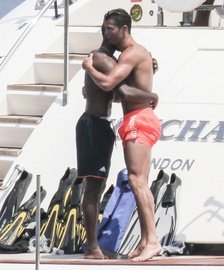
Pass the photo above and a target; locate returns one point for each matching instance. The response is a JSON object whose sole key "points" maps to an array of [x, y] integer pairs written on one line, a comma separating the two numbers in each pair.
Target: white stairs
{"points": [[28, 102]]}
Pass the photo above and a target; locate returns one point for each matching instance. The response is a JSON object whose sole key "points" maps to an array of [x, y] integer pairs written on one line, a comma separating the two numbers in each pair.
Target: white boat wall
{"points": [[191, 106]]}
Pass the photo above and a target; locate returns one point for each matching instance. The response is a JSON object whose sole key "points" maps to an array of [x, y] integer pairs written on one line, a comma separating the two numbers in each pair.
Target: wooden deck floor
{"points": [[51, 259]]}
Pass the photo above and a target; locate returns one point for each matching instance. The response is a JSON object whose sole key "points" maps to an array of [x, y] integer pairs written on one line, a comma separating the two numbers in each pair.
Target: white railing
{"points": [[30, 27], [25, 33]]}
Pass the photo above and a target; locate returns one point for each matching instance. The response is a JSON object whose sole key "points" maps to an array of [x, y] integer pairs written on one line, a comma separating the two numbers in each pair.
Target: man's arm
{"points": [[118, 73], [134, 95], [123, 92]]}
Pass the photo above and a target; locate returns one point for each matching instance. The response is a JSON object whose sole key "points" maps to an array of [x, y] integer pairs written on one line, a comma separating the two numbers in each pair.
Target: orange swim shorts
{"points": [[141, 125]]}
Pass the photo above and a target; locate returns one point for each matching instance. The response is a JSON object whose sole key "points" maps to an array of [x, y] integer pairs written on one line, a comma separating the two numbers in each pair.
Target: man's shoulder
{"points": [[137, 49], [99, 54], [143, 50]]}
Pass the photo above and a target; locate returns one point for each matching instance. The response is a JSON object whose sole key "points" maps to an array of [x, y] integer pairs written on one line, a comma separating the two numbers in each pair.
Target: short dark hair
{"points": [[120, 17]]}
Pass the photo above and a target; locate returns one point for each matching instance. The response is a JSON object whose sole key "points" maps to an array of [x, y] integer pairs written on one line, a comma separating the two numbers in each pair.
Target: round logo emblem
{"points": [[136, 13]]}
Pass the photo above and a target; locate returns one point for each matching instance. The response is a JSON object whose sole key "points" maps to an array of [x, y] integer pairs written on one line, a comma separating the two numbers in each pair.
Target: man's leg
{"points": [[91, 200], [138, 158]]}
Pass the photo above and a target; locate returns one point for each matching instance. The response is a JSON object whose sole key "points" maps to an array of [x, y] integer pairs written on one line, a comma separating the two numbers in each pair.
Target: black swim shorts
{"points": [[94, 142]]}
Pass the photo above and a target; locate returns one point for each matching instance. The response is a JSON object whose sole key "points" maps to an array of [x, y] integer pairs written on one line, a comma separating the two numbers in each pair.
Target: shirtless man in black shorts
{"points": [[95, 140]]}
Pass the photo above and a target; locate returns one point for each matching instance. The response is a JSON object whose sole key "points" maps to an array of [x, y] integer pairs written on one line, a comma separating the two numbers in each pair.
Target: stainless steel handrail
{"points": [[29, 28], [66, 55], [25, 33]]}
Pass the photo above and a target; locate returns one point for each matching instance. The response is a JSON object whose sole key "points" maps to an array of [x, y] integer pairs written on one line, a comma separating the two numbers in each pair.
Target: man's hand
{"points": [[155, 65], [84, 91], [87, 62], [154, 100]]}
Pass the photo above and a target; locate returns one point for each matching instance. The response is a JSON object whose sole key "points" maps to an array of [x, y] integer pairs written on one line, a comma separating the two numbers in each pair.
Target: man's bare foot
{"points": [[148, 252], [135, 253], [96, 254]]}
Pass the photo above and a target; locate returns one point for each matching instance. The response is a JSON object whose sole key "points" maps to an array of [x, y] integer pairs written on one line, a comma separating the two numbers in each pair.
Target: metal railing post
{"points": [[66, 54], [37, 245], [160, 19], [56, 9]]}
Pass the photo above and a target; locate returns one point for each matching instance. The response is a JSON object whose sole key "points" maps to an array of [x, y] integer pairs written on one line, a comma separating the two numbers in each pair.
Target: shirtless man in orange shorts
{"points": [[141, 128]]}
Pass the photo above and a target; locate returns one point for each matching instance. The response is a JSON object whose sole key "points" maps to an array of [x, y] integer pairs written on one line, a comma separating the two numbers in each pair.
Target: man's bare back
{"points": [[98, 102]]}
